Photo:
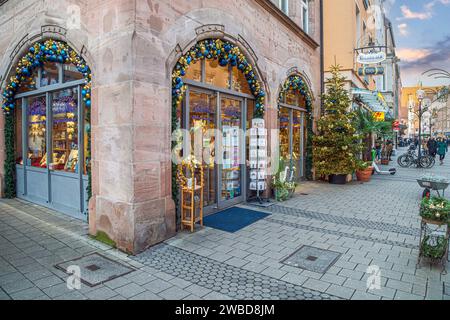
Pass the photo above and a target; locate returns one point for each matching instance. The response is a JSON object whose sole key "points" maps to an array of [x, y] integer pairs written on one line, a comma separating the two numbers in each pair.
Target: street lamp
{"points": [[420, 96]]}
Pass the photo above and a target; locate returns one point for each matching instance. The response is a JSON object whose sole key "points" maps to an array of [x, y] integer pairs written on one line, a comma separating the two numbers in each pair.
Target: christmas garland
{"points": [[227, 54], [296, 82], [37, 55]]}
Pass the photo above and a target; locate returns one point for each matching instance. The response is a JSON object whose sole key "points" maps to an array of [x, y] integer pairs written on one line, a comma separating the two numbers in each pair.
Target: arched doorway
{"points": [[296, 126], [47, 129], [216, 88]]}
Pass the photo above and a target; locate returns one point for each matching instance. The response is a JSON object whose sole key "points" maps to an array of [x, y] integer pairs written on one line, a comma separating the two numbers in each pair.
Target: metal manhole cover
{"points": [[312, 259], [95, 269]]}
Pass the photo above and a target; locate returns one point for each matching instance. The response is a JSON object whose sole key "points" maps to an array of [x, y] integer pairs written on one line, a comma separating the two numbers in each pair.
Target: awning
{"points": [[374, 100]]}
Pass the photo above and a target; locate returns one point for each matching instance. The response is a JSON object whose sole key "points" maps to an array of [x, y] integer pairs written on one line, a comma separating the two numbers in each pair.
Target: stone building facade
{"points": [[132, 47]]}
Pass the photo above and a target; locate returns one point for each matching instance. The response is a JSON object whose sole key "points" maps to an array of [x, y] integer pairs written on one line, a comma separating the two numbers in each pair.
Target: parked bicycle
{"points": [[410, 159]]}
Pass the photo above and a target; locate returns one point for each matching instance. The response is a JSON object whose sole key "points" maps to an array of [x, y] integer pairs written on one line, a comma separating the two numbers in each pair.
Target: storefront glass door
{"points": [[231, 185], [202, 123], [216, 137], [292, 140]]}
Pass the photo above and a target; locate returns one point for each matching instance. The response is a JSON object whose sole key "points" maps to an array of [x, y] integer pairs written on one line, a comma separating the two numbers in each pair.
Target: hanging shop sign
{"points": [[396, 125], [379, 116], [371, 71], [372, 57]]}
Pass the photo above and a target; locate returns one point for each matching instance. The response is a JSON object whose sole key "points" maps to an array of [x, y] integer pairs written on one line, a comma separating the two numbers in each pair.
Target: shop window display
{"points": [[87, 128], [217, 75], [297, 141], [49, 74], [65, 131], [29, 83], [70, 73], [37, 148], [239, 83], [284, 119], [194, 72]]}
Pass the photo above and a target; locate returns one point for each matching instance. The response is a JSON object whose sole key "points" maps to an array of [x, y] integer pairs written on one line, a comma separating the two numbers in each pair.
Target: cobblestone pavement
{"points": [[372, 224]]}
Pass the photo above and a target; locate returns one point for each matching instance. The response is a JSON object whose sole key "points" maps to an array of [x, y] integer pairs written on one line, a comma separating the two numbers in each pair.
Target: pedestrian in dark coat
{"points": [[432, 147]]}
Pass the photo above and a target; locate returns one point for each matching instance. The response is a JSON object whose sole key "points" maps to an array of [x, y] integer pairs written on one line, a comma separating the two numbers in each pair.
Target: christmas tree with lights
{"points": [[337, 145]]}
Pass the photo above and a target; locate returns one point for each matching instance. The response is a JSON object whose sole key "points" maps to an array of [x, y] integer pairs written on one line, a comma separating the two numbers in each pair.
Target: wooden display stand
{"points": [[188, 192]]}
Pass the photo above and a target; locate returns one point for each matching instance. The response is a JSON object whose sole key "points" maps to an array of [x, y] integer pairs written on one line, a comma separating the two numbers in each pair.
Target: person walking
{"points": [[389, 149], [379, 148], [442, 149], [432, 147]]}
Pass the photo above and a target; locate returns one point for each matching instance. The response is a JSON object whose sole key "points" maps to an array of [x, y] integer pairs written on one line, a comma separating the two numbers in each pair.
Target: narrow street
{"points": [[357, 226]]}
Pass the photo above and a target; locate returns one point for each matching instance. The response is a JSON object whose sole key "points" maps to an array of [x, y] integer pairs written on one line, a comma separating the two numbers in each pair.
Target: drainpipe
{"points": [[322, 60]]}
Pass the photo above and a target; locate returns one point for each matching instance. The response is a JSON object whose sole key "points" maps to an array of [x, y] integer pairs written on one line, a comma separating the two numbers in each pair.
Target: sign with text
{"points": [[379, 116], [373, 57], [371, 71]]}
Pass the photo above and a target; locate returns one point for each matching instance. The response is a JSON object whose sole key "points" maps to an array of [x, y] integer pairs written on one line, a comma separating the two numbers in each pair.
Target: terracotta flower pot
{"points": [[364, 175]]}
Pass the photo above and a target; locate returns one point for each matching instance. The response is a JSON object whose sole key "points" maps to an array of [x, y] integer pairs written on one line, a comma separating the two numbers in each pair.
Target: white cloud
{"points": [[409, 14], [411, 55], [426, 14], [403, 29]]}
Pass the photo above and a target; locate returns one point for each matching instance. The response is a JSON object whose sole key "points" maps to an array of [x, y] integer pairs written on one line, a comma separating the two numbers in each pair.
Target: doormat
{"points": [[95, 269], [233, 219], [312, 259]]}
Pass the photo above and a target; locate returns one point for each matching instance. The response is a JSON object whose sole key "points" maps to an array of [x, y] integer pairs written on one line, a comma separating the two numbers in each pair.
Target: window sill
{"points": [[288, 22]]}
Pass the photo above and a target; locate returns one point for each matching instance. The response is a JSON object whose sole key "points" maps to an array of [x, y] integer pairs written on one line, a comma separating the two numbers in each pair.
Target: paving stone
{"points": [[146, 295], [142, 278], [363, 296], [72, 295], [274, 273], [57, 290], [174, 293], [399, 285], [16, 286], [38, 274], [48, 282], [400, 295], [130, 290], [339, 291], [158, 286], [316, 285], [117, 283], [334, 279], [102, 293], [197, 290], [28, 294]]}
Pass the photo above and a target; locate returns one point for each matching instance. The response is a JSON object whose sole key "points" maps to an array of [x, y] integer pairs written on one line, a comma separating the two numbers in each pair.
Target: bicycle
{"points": [[411, 158]]}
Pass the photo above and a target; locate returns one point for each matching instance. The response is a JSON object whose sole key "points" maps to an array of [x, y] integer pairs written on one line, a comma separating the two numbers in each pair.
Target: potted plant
{"points": [[337, 144], [283, 183], [364, 171]]}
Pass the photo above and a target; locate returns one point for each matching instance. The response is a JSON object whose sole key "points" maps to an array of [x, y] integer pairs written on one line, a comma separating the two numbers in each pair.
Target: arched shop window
{"points": [[295, 124], [215, 88], [48, 103]]}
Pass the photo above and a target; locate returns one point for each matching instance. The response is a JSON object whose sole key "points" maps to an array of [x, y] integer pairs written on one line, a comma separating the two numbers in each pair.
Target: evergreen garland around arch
{"points": [[297, 83], [227, 54], [39, 53]]}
